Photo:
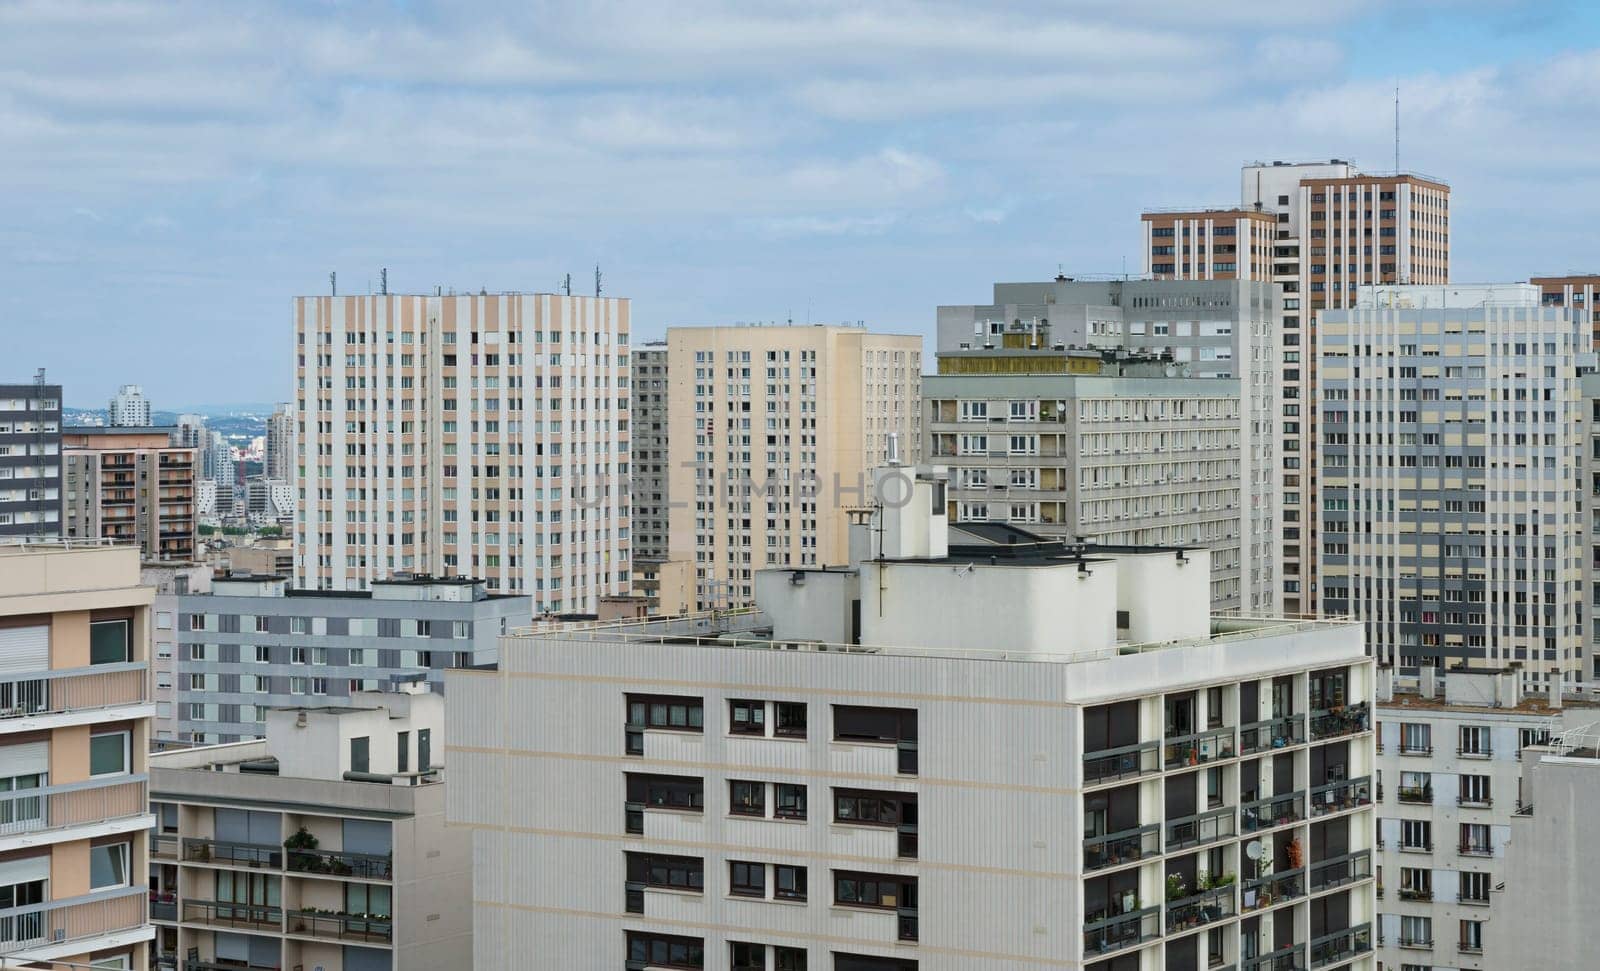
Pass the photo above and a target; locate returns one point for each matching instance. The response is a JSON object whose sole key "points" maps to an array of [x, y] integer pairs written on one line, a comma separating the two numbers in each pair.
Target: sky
{"points": [[172, 174]]}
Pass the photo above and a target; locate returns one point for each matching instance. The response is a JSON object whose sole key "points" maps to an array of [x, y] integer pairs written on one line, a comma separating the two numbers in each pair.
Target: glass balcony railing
{"points": [[1337, 797], [1115, 849], [1341, 870], [1341, 945], [1124, 762], [1199, 748], [1124, 930], [1272, 812], [1335, 722], [1201, 908], [1269, 891], [1200, 829], [1272, 733]]}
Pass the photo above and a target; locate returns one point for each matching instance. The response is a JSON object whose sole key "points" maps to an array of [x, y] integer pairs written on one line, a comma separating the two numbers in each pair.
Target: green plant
{"points": [[303, 839], [1176, 888], [1202, 881], [1226, 880]]}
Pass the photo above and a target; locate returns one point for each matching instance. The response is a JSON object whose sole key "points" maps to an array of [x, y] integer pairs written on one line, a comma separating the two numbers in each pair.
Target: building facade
{"points": [[650, 481], [278, 451], [1210, 244], [130, 485], [1452, 430], [170, 580], [254, 643], [321, 846], [770, 433], [30, 459], [74, 636], [484, 435], [778, 801], [128, 408], [1210, 328]]}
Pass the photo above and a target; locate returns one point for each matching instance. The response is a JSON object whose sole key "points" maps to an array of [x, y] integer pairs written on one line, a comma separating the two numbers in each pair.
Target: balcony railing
{"points": [[72, 804], [1485, 752], [1291, 958], [1124, 930], [222, 914], [1417, 750], [193, 965], [363, 928], [1207, 827], [1272, 733], [1272, 811], [1416, 794], [1199, 748], [361, 866], [163, 905], [1341, 945], [72, 919], [253, 855], [72, 689], [1125, 762], [1340, 870], [1475, 849], [1201, 908], [1416, 893], [1337, 797], [1272, 890], [1334, 722], [1474, 802], [1115, 849]]}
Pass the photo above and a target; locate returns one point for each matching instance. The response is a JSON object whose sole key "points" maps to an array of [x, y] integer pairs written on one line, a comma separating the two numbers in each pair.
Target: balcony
{"points": [[1200, 829], [221, 914], [328, 926], [1474, 802], [1417, 751], [1417, 943], [1340, 870], [1199, 748], [1341, 945], [1475, 753], [1416, 893], [1272, 812], [73, 804], [224, 853], [163, 846], [361, 866], [196, 965], [1291, 958], [82, 918], [1272, 733], [1200, 909], [1269, 891], [1416, 795], [1125, 762], [1337, 722], [1115, 849], [1125, 930], [164, 905], [1335, 797], [1475, 849], [72, 689]]}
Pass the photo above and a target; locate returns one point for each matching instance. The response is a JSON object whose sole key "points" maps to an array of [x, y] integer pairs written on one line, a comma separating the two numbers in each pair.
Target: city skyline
{"points": [[239, 161]]}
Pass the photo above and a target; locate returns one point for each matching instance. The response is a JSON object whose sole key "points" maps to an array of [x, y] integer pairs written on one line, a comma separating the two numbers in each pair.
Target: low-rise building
{"points": [[322, 846]]}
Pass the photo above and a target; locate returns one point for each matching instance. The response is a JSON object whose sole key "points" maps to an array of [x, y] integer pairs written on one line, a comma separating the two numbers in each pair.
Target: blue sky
{"points": [[174, 173]]}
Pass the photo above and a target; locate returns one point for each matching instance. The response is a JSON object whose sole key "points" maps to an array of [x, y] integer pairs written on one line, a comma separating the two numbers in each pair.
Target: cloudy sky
{"points": [[173, 173]]}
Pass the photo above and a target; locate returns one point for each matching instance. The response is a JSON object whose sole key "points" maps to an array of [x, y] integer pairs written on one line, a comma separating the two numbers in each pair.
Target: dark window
{"points": [[681, 714], [874, 890], [791, 801], [791, 719], [747, 879], [747, 717], [424, 749], [874, 808], [789, 882], [747, 798], [667, 791], [360, 760], [747, 957], [108, 642], [860, 724], [862, 962], [660, 870], [666, 950], [403, 750]]}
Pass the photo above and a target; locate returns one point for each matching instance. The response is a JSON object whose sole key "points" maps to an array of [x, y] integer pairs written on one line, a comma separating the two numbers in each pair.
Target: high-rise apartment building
{"points": [[770, 433], [484, 435], [129, 408], [1044, 759], [1576, 291], [1213, 329], [253, 643], [74, 632], [1336, 229], [191, 433], [322, 846], [278, 456], [1450, 451], [650, 454], [130, 485], [30, 459]]}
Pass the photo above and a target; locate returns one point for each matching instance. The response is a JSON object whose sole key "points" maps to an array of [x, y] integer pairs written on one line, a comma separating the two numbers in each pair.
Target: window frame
{"points": [[127, 753], [747, 879], [744, 807]]}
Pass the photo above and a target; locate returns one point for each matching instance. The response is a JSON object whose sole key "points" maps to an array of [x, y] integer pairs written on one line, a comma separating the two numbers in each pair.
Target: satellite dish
{"points": [[1253, 850]]}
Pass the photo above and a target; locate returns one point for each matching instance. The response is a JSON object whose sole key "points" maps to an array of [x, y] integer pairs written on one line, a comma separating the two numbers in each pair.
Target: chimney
{"points": [[1428, 682], [1385, 690]]}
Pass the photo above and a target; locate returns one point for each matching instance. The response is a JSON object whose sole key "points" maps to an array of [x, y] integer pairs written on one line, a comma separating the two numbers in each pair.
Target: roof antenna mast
{"points": [[1397, 130]]}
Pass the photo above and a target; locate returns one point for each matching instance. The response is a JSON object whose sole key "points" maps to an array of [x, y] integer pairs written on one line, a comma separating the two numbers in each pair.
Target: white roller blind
{"points": [[25, 759], [24, 649], [26, 870]]}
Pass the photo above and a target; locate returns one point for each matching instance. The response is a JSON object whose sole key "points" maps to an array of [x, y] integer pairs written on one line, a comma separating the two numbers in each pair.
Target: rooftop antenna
{"points": [[333, 282], [597, 279], [383, 281], [1397, 130], [566, 285]]}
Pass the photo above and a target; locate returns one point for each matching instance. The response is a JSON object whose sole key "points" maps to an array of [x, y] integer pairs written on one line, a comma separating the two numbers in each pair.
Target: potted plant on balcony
{"points": [[1295, 856], [1176, 889], [299, 847]]}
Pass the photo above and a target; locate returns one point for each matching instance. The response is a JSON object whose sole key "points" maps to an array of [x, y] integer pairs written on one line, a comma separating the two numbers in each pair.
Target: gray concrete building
{"points": [[648, 488], [30, 459], [254, 643]]}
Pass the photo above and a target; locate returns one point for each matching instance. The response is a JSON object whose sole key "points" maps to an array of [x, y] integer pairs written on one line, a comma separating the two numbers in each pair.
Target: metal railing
{"points": [[163, 905], [1124, 930], [253, 855], [1115, 849], [1336, 797], [1199, 829], [1272, 733], [1340, 870], [1341, 945], [1199, 748], [1272, 890], [73, 804], [1334, 722], [222, 914], [1291, 958], [361, 866], [1416, 893], [1201, 908], [72, 919], [341, 927], [1123, 762], [1416, 794], [73, 689], [163, 846], [1272, 812]]}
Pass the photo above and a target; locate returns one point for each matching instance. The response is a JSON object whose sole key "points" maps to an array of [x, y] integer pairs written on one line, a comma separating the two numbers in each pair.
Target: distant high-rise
{"points": [[770, 433], [30, 459], [480, 434], [129, 408], [649, 484], [130, 485], [278, 460]]}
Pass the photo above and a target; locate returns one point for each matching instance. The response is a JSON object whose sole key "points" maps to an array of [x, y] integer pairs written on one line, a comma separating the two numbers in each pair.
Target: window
{"points": [[1531, 736], [747, 717], [673, 713], [1474, 790], [1475, 741], [747, 957], [895, 726], [1471, 935], [874, 890], [297, 655], [360, 754], [424, 749], [1416, 883], [403, 751], [791, 721], [672, 872], [747, 798], [1416, 738], [319, 686], [666, 950], [1416, 787], [747, 879], [789, 882], [109, 642], [1416, 931], [790, 802], [665, 791], [1475, 839], [866, 808], [789, 959], [109, 754], [108, 866], [263, 654], [1472, 887], [1416, 834]]}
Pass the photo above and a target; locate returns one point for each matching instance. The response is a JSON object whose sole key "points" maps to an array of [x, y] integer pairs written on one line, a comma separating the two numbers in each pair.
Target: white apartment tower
{"points": [[451, 435], [278, 462], [129, 408]]}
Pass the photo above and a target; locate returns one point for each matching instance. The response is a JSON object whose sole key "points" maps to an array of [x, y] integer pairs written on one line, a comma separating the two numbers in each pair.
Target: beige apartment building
{"points": [[770, 432], [128, 484], [74, 807], [1334, 229], [483, 435]]}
